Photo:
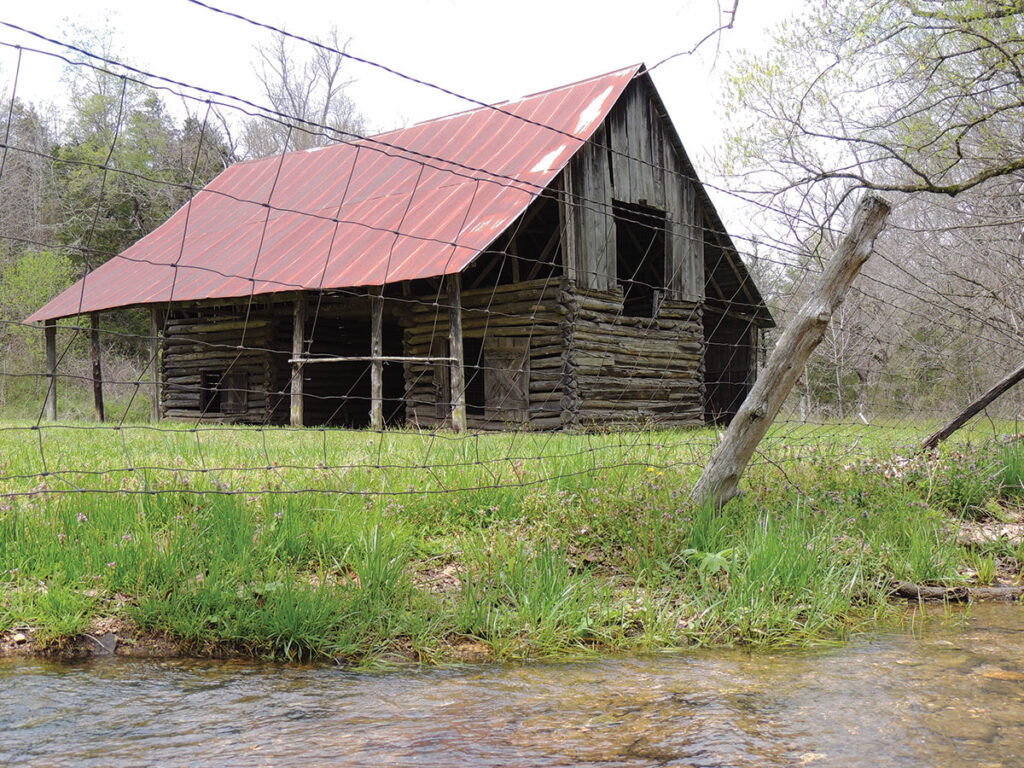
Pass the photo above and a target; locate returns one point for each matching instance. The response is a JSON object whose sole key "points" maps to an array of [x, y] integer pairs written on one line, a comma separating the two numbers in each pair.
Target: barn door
{"points": [[507, 382]]}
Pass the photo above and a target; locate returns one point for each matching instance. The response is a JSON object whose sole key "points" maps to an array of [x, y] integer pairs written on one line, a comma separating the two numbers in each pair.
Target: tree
{"points": [[923, 100], [892, 95], [308, 95], [25, 179], [25, 285], [123, 167]]}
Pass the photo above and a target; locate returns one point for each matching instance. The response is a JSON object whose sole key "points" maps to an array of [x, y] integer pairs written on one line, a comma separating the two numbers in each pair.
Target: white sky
{"points": [[486, 50]]}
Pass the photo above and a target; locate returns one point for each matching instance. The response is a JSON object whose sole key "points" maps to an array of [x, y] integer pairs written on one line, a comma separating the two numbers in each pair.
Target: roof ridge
{"points": [[635, 68]]}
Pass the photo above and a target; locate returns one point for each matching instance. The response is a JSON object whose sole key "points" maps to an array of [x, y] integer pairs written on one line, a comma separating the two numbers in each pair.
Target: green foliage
{"points": [[28, 283], [125, 167], [963, 483], [985, 566], [1011, 460], [523, 597], [92, 180]]}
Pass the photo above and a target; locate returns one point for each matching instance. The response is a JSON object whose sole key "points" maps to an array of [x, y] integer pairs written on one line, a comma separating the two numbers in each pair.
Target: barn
{"points": [[548, 263]]}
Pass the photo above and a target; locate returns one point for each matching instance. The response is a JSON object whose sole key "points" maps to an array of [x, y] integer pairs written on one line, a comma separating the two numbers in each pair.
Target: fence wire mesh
{"points": [[606, 329]]}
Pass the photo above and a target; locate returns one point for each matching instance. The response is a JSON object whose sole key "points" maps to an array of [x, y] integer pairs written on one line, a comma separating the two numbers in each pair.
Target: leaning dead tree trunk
{"points": [[718, 483], [974, 408]]}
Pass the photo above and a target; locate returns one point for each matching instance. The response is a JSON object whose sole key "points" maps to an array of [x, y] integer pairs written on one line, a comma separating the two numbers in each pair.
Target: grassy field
{"points": [[365, 547]]}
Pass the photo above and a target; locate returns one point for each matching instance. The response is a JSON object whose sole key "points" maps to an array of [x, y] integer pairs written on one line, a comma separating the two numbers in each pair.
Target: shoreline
{"points": [[113, 636]]}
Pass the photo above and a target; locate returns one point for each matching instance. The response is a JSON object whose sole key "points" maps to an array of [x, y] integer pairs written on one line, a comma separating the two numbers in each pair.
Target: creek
{"points": [[947, 690]]}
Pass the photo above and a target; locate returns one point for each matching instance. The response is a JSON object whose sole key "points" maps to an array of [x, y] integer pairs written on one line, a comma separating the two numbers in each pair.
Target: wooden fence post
{"points": [[97, 367], [458, 376], [376, 365], [298, 339], [50, 334], [720, 479]]}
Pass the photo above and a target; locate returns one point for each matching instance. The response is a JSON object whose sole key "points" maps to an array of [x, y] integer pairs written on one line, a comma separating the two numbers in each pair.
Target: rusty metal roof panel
{"points": [[414, 203]]}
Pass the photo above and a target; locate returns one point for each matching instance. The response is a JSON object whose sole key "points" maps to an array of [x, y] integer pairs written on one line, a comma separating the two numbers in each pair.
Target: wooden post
{"points": [[97, 368], [50, 407], [376, 364], [298, 340], [458, 375], [718, 483], [974, 408], [154, 354]]}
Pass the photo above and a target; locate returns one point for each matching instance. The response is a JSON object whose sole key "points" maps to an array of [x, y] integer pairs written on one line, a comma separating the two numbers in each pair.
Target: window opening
{"points": [[211, 393], [224, 392], [640, 257]]}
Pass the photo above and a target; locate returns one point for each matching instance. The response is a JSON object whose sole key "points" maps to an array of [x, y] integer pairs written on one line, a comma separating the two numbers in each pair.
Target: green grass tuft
{"points": [[306, 544]]}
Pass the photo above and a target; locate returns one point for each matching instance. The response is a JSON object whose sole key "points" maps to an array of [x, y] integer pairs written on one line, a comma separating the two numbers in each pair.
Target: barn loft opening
{"points": [[529, 250], [639, 257]]}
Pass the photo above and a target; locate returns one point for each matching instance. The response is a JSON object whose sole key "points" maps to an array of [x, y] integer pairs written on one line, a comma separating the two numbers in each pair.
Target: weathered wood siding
{"points": [[223, 343], [589, 229], [632, 370], [631, 159]]}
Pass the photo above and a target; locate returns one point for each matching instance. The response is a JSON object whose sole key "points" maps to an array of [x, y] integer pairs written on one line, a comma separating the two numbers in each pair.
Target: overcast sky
{"points": [[485, 50]]}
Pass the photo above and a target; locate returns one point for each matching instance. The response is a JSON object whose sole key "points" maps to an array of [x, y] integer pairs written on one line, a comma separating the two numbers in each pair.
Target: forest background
{"points": [[920, 100]]}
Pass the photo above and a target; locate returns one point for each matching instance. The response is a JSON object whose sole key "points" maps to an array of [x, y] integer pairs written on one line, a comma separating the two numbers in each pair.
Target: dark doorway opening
{"points": [[473, 365], [338, 393], [731, 360], [639, 257]]}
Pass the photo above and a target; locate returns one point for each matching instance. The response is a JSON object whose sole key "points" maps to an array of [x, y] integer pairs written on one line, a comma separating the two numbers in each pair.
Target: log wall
{"points": [[222, 344], [521, 331], [577, 359], [632, 370]]}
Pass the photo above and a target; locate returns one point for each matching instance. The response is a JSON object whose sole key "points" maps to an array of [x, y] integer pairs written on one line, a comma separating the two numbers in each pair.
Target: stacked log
{"points": [[526, 315], [215, 343], [634, 370], [588, 363]]}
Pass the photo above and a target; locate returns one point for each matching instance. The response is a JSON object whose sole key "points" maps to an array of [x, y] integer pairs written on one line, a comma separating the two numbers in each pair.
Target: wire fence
{"points": [[531, 295]]}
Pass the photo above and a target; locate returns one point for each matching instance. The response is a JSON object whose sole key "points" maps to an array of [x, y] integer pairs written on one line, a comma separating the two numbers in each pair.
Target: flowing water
{"points": [[948, 692]]}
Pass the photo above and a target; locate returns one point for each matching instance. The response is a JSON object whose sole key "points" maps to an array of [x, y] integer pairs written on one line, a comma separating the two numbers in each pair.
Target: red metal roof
{"points": [[419, 202]]}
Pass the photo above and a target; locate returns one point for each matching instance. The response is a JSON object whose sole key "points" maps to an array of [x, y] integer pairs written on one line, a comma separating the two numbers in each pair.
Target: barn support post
{"points": [[720, 479], [376, 364], [97, 367], [298, 337], [154, 356], [458, 374], [50, 406]]}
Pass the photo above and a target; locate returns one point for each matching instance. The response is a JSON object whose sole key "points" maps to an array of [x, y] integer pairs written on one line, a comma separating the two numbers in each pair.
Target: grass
{"points": [[299, 544]]}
